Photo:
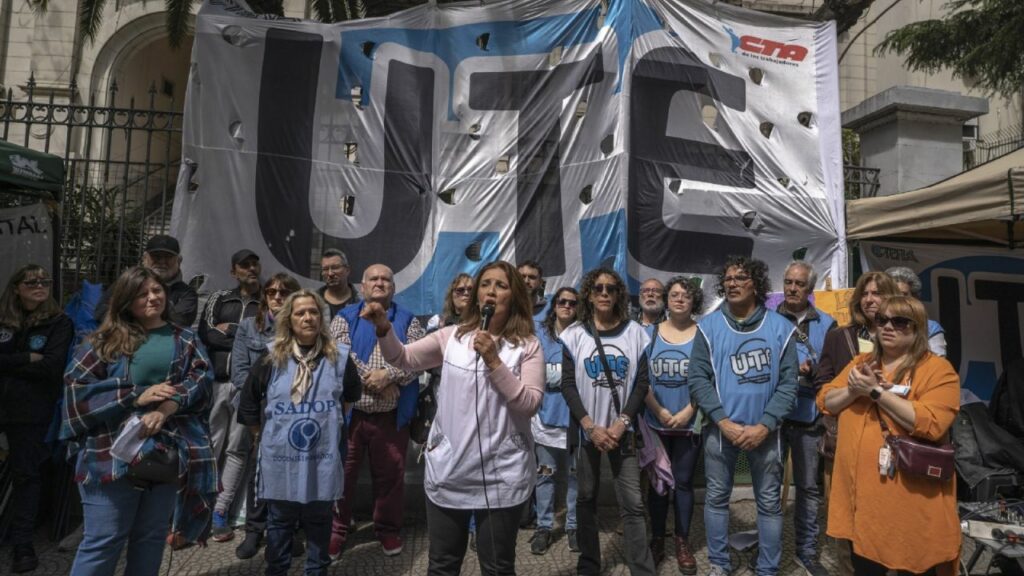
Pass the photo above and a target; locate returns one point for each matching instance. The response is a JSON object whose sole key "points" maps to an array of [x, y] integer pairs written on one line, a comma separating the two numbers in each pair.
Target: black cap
{"points": [[242, 255], [163, 243]]}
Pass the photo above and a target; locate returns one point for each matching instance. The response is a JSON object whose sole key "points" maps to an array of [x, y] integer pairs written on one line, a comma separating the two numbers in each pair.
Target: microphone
{"points": [[485, 316]]}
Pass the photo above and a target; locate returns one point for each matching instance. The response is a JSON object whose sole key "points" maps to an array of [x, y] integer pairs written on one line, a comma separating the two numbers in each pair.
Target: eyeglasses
{"points": [[38, 283], [740, 279], [609, 289], [275, 292], [463, 290], [651, 291], [565, 303], [900, 323]]}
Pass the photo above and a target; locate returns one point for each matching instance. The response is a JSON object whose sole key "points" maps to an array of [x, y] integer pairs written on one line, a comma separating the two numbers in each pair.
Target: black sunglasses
{"points": [[609, 289], [463, 290], [38, 283], [565, 302], [900, 323]]}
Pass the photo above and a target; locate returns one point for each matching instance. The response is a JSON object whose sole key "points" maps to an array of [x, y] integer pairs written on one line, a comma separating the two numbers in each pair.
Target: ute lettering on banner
{"points": [[576, 133], [974, 293]]}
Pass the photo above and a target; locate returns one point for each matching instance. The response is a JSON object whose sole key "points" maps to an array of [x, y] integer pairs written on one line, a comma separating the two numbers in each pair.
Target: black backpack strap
{"points": [[607, 369]]}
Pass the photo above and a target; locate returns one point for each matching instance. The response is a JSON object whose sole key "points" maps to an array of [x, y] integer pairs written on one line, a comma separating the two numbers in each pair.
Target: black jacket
{"points": [[181, 297], [29, 390], [226, 306]]}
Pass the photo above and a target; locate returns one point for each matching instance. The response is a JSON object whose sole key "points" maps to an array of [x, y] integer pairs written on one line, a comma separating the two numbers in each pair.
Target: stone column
{"points": [[914, 136]]}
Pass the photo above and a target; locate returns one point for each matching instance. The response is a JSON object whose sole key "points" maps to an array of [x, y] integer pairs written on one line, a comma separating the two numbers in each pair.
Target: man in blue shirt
{"points": [[743, 376]]}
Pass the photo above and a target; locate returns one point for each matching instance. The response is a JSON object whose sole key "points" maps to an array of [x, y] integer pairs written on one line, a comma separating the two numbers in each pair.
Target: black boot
{"points": [[24, 558]]}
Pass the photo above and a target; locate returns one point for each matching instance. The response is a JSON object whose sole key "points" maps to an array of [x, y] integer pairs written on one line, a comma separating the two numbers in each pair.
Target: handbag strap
{"points": [[881, 422], [849, 343], [607, 369]]}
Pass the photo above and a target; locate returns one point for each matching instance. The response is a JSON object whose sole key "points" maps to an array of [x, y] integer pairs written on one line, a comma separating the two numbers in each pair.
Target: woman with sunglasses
{"points": [[840, 347], [895, 522], [603, 412], [139, 368], [479, 457], [34, 339], [550, 424], [670, 413], [251, 340], [455, 302]]}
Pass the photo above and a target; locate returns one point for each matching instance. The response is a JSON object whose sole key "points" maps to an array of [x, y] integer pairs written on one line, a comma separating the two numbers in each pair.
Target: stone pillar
{"points": [[914, 136]]}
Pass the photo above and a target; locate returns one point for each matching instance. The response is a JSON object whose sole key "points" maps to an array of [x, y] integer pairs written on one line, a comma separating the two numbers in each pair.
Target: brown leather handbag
{"points": [[918, 457]]}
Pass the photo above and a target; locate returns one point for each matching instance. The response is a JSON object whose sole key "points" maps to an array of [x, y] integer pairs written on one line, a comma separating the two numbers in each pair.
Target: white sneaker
{"points": [[718, 571]]}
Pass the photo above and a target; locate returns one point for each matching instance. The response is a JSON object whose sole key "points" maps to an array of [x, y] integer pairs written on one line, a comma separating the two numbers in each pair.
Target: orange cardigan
{"points": [[905, 523]]}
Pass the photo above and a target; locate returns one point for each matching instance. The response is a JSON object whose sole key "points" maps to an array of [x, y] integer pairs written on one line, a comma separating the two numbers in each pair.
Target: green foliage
{"points": [[981, 41], [93, 223]]}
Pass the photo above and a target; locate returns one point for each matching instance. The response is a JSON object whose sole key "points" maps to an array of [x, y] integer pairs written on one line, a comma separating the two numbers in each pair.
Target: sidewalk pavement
{"points": [[363, 557]]}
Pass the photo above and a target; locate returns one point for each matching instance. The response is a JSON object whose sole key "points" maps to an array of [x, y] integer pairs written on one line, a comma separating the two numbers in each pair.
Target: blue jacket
{"points": [[364, 338]]}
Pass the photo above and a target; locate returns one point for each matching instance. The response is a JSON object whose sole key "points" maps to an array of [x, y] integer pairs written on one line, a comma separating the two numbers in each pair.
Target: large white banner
{"points": [[26, 237], [975, 293], [655, 136]]}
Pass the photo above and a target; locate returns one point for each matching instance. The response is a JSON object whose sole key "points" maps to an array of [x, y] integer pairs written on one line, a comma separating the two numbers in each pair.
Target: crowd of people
{"points": [[270, 407]]}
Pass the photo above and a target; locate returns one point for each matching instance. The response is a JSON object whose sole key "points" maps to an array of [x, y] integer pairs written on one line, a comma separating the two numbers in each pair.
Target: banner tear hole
{"points": [[757, 75], [676, 187], [235, 129], [473, 251], [608, 144], [352, 152], [766, 129], [348, 204], [581, 109], [482, 40], [715, 58], [447, 196], [587, 194], [805, 118], [368, 49], [784, 181], [502, 166]]}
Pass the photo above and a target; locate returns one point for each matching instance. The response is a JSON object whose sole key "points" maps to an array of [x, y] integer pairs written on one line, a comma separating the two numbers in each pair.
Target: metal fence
{"points": [[983, 150], [121, 164]]}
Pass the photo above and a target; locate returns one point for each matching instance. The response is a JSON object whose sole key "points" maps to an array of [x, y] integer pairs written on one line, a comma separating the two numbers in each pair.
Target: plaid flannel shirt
{"points": [[371, 402], [99, 398]]}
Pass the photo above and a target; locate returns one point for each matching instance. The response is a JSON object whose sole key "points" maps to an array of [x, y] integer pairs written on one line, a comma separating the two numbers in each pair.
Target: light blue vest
{"points": [[553, 410], [746, 364], [934, 328], [300, 447], [668, 366], [806, 409]]}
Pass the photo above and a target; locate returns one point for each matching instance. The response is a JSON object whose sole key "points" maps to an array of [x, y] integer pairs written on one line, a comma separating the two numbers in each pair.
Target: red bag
{"points": [[918, 457]]}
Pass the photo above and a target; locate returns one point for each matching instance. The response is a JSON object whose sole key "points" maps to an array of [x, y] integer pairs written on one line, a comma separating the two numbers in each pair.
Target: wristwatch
{"points": [[875, 394], [625, 420], [590, 429]]}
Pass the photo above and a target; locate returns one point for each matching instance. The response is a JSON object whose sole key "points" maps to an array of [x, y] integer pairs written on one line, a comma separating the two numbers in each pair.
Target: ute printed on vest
{"points": [[618, 362], [670, 367], [752, 361]]}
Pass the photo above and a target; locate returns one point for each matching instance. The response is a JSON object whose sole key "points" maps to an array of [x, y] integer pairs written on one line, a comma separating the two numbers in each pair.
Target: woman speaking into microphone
{"points": [[479, 454]]}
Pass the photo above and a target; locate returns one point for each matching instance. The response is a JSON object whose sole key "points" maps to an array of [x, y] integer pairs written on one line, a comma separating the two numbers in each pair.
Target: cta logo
{"points": [[765, 49], [752, 361], [617, 362]]}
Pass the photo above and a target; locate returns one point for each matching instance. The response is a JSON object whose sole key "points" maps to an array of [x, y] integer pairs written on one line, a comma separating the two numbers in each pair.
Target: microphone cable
{"points": [[487, 312]]}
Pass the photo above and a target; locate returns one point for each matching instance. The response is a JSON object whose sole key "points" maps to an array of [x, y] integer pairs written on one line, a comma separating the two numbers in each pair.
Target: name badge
{"points": [[884, 460]]}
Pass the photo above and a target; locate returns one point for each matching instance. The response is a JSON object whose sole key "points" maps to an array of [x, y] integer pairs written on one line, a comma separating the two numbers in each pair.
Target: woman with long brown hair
{"points": [[604, 381], [34, 339], [479, 456], [456, 300], [902, 389], [141, 369]]}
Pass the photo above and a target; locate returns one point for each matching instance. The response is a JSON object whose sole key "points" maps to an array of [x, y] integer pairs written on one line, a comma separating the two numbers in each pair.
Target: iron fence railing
{"points": [[121, 164]]}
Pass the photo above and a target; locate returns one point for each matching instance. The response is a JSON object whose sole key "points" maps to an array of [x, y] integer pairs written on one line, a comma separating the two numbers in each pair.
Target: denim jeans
{"points": [[766, 472], [117, 514], [682, 452], [626, 472], [548, 459], [449, 533], [283, 518], [802, 443]]}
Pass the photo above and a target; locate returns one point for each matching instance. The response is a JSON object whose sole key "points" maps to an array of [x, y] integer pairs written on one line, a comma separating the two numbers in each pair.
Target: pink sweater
{"points": [[523, 396]]}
